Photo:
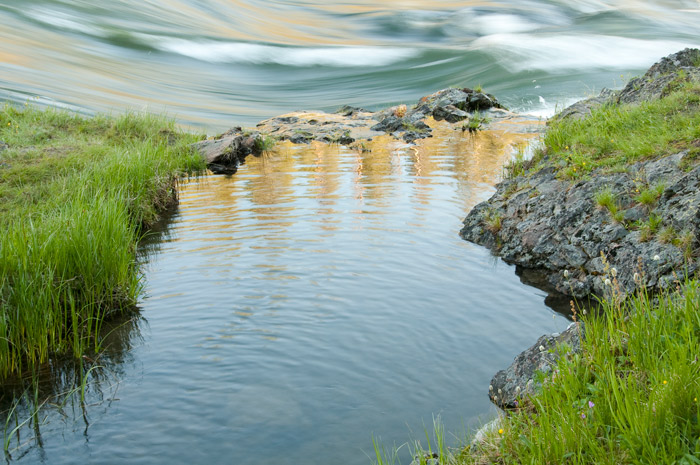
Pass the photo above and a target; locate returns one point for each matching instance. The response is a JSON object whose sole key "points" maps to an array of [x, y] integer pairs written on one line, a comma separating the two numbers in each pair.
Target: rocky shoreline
{"points": [[461, 109], [555, 226]]}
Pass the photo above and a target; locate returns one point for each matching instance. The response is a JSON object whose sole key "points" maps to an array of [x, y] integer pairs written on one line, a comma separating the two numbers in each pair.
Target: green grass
{"points": [[605, 198], [75, 196], [631, 396], [650, 196], [614, 136]]}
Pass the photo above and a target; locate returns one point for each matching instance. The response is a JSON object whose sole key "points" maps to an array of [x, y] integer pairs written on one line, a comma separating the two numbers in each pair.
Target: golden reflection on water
{"points": [[268, 190]]}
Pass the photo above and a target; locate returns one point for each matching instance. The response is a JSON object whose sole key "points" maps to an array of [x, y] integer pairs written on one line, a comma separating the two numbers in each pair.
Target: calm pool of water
{"points": [[317, 299]]}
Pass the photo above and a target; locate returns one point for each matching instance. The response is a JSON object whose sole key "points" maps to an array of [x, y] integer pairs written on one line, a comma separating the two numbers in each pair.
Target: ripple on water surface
{"points": [[318, 297]]}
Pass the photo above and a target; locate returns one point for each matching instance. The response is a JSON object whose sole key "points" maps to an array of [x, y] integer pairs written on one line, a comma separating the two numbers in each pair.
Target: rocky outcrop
{"points": [[663, 77], [660, 80], [511, 387], [349, 124], [552, 224], [226, 152], [541, 221]]}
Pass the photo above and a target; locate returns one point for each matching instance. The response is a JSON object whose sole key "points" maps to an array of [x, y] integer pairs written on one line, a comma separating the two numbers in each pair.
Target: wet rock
{"points": [[450, 113], [226, 152], [348, 110], [583, 108], [478, 101], [343, 127], [510, 387]]}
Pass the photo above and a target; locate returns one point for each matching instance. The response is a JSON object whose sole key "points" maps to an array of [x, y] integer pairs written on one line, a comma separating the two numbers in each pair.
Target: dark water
{"points": [[320, 297], [216, 63]]}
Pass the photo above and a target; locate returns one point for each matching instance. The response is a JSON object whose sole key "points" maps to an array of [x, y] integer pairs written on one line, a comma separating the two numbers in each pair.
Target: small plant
{"points": [[400, 111], [667, 235], [606, 198], [516, 166], [492, 219], [510, 190], [478, 88], [649, 196], [264, 143], [685, 241], [475, 123], [649, 228]]}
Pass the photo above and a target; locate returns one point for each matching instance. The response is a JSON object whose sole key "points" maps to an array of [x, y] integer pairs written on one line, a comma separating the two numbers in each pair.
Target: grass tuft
{"points": [[75, 196]]}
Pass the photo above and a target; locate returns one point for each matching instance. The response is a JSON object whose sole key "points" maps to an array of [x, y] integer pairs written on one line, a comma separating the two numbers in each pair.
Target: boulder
{"points": [[226, 152], [510, 387]]}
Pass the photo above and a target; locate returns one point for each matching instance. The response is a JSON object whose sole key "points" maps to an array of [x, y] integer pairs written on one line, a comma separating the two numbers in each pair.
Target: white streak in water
{"points": [[560, 53], [237, 52]]}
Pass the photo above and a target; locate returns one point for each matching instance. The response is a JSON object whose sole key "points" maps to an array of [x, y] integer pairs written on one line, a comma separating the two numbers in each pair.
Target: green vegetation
{"points": [[475, 122], [632, 394], [606, 199], [649, 196], [265, 143], [75, 196], [614, 136], [492, 219]]}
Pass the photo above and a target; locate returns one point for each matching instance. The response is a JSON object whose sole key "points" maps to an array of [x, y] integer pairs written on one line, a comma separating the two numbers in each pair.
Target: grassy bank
{"points": [[75, 195], [632, 394]]}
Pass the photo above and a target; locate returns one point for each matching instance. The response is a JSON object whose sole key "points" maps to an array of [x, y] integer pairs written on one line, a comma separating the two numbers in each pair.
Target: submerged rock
{"points": [[511, 387]]}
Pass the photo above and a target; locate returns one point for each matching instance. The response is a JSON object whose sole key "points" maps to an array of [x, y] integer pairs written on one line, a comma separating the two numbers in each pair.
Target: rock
{"points": [[554, 225], [343, 127], [225, 153], [510, 387], [450, 113], [426, 459], [478, 101], [538, 221], [583, 108], [662, 77]]}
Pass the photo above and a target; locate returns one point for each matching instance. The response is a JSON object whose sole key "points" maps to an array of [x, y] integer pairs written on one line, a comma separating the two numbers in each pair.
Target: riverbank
{"points": [[77, 194], [609, 204], [614, 186]]}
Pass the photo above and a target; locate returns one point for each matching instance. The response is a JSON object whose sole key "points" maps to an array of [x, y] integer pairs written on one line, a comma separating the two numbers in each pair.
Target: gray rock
{"points": [[583, 108], [510, 387], [554, 225], [450, 113], [225, 153], [662, 77]]}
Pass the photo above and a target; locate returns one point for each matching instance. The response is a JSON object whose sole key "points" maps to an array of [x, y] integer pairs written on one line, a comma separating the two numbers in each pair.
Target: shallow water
{"points": [[216, 63], [317, 299]]}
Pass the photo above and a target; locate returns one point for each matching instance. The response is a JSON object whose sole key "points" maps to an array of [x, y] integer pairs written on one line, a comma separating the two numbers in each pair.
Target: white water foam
{"points": [[238, 52], [62, 20], [553, 53]]}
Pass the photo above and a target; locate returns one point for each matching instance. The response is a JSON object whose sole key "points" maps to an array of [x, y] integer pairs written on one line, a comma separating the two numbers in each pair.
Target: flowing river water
{"points": [[321, 296]]}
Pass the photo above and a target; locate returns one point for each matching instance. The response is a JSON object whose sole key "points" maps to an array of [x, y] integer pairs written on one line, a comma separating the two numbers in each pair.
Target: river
{"points": [[321, 297]]}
